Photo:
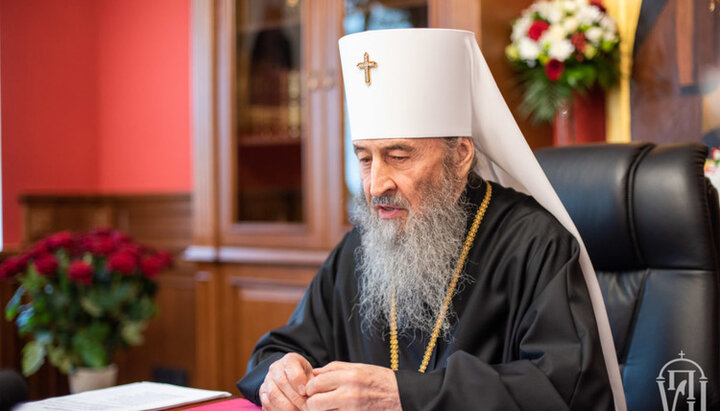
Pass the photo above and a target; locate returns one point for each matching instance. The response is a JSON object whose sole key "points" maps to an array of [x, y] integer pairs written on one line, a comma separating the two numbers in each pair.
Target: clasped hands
{"points": [[292, 384]]}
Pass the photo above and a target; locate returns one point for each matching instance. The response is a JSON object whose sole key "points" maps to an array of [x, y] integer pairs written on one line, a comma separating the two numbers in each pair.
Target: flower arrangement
{"points": [[561, 47], [82, 296], [712, 167]]}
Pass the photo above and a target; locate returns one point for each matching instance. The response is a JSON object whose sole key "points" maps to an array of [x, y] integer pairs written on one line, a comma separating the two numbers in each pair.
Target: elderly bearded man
{"points": [[452, 291]]}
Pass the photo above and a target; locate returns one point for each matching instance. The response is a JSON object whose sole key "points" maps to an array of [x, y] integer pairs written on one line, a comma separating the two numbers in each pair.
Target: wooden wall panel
{"points": [[170, 337], [209, 301], [258, 298]]}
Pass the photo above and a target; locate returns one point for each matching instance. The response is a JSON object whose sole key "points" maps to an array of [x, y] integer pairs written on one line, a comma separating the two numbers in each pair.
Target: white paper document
{"points": [[130, 397]]}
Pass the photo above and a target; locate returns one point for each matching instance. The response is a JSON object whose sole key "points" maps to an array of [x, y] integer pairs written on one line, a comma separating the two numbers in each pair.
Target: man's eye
{"points": [[364, 160], [399, 158]]}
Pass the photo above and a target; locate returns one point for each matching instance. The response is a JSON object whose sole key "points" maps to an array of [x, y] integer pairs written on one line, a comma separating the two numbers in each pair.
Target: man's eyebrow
{"points": [[357, 147], [403, 147]]}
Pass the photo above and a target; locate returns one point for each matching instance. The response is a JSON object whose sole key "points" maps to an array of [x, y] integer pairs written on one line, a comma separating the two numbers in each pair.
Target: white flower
{"points": [[520, 28], [570, 24], [561, 50], [610, 37], [588, 15], [608, 24], [555, 15], [547, 10], [570, 6], [528, 49], [594, 34], [552, 35]]}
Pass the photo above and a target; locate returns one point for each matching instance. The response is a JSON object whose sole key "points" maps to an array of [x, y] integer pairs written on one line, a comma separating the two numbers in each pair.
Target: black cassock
{"points": [[525, 336]]}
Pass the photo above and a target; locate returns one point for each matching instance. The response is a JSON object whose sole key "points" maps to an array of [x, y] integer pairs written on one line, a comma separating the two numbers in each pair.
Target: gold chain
{"points": [[448, 297]]}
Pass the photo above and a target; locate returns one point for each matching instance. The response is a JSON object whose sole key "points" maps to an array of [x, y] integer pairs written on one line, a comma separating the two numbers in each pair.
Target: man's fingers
{"points": [[272, 398], [325, 382], [296, 377], [333, 366], [279, 377], [323, 401], [298, 371]]}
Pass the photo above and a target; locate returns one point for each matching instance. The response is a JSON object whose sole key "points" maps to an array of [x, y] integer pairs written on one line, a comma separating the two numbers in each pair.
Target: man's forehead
{"points": [[396, 143]]}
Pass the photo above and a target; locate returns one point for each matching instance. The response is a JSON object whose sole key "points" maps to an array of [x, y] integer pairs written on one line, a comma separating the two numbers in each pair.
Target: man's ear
{"points": [[465, 156]]}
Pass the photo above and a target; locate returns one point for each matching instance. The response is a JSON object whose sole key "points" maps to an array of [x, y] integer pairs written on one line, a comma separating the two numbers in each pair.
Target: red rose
{"points": [[166, 258], [123, 262], [46, 264], [80, 272], [62, 239], [101, 245], [39, 249], [101, 232], [554, 69], [598, 4], [152, 265], [11, 267], [120, 238], [537, 29], [578, 40], [131, 248]]}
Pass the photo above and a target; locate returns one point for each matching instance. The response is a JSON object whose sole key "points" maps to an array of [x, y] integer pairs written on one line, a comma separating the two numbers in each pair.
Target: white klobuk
{"points": [[418, 83]]}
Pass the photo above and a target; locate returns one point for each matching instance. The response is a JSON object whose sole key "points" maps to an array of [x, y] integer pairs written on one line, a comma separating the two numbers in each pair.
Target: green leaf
{"points": [[60, 358], [63, 260], [90, 349], [33, 281], [121, 293], [98, 331], [148, 307], [33, 357], [132, 332], [26, 320], [11, 310], [43, 337], [90, 306]]}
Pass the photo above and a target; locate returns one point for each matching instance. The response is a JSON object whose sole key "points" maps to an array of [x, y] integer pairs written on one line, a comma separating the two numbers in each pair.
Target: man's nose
{"points": [[381, 181]]}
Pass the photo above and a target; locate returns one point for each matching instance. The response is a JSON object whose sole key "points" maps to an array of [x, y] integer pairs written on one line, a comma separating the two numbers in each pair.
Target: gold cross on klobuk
{"points": [[366, 65]]}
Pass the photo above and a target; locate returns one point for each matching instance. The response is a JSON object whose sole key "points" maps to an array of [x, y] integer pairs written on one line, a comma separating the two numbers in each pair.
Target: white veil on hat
{"points": [[436, 83]]}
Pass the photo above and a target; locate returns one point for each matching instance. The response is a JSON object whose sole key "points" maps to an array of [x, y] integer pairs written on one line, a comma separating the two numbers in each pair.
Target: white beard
{"points": [[416, 257]]}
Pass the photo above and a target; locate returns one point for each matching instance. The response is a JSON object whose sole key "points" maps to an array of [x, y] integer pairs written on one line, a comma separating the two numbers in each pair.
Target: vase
{"points": [[87, 379], [581, 119]]}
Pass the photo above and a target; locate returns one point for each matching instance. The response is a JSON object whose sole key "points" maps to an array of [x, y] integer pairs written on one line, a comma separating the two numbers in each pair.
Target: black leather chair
{"points": [[649, 219], [13, 389]]}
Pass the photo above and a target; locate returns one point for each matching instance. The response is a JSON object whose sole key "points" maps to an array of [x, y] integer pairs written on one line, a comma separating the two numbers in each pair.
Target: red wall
{"points": [[144, 101], [94, 98], [49, 101]]}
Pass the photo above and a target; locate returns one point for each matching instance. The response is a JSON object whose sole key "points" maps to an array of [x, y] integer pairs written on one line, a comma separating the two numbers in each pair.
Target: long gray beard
{"points": [[416, 258]]}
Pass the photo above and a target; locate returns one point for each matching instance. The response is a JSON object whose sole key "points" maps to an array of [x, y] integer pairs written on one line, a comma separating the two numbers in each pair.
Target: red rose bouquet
{"points": [[561, 47], [82, 296]]}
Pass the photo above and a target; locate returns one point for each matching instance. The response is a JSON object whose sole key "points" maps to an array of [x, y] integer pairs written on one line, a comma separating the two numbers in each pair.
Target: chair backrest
{"points": [[13, 389], [649, 219]]}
